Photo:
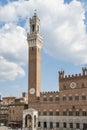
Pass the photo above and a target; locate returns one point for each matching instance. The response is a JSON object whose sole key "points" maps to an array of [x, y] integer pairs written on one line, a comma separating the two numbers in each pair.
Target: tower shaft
{"points": [[34, 63]]}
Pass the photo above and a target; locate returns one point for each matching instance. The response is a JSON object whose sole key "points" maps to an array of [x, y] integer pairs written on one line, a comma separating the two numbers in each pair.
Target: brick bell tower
{"points": [[34, 39]]}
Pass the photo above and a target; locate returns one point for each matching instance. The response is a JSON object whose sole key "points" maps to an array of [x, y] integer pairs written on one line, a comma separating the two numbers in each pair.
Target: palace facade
{"points": [[64, 109]]}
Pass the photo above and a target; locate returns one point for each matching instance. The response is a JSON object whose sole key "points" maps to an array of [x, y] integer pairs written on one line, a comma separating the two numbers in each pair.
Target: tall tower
{"points": [[35, 42]]}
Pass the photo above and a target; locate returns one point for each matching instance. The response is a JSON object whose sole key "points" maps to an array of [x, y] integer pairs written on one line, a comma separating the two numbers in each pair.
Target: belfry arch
{"points": [[30, 119]]}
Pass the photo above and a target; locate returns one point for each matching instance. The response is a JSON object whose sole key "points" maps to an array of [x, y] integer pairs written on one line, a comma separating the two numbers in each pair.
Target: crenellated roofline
{"points": [[80, 75]]}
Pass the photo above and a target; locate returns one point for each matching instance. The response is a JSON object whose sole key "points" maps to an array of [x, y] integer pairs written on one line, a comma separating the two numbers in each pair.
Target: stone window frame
{"points": [[45, 98], [70, 113], [57, 98], [77, 113], [64, 125], [51, 112], [39, 124], [84, 112], [76, 97], [64, 98], [45, 113], [70, 97], [77, 125], [50, 98], [51, 125], [57, 113], [33, 27], [70, 125], [83, 97], [65, 112], [57, 124]]}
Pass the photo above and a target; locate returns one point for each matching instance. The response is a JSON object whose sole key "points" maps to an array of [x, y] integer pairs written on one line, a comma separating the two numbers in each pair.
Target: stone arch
{"points": [[30, 119]]}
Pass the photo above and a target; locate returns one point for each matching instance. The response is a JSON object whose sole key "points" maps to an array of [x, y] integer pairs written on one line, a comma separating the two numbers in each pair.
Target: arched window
{"points": [[76, 97], [77, 112], [64, 125], [33, 28], [77, 125], [57, 124], [57, 112], [44, 112], [44, 98], [70, 112], [70, 97], [45, 125], [51, 112], [83, 96], [64, 98], [84, 112], [39, 124], [51, 125], [57, 98], [71, 125], [51, 98], [64, 112]]}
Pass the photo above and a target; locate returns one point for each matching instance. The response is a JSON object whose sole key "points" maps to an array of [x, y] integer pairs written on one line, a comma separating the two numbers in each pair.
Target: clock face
{"points": [[72, 84], [32, 91]]}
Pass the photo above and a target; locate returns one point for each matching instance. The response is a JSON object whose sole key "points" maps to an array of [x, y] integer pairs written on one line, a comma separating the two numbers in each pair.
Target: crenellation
{"points": [[67, 77], [49, 92], [80, 74], [61, 74], [72, 75], [76, 75], [84, 71]]}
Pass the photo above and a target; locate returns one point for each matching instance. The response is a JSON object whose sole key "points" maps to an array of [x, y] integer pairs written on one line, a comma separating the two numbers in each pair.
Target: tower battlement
{"points": [[63, 76]]}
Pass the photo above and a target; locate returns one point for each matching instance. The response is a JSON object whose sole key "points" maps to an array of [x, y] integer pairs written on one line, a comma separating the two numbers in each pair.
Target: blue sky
{"points": [[64, 31]]}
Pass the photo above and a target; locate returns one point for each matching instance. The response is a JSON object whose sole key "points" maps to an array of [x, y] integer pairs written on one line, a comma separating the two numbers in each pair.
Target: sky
{"points": [[64, 31]]}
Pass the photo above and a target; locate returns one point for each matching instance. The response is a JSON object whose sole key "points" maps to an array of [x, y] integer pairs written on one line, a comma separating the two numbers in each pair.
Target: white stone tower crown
{"points": [[34, 38]]}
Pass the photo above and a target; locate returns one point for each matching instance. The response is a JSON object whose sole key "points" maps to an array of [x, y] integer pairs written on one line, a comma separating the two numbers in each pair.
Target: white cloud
{"points": [[7, 13], [62, 26], [65, 32], [13, 44], [13, 47], [13, 11], [10, 70]]}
